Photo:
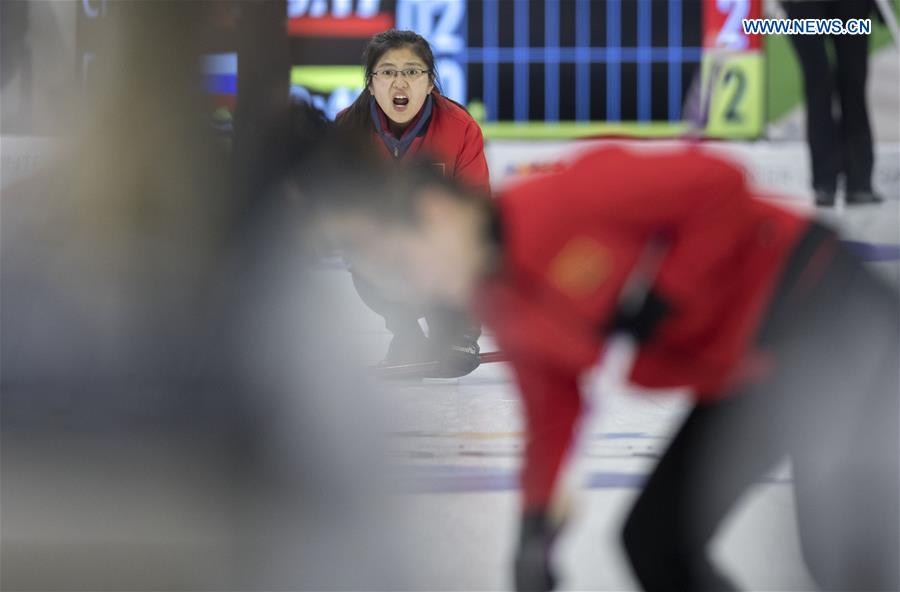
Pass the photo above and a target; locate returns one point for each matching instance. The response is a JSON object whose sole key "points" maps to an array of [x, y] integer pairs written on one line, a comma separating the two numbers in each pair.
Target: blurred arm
{"points": [[552, 405]]}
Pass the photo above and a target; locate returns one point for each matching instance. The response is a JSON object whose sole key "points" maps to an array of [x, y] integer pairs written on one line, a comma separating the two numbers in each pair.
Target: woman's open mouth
{"points": [[400, 102]]}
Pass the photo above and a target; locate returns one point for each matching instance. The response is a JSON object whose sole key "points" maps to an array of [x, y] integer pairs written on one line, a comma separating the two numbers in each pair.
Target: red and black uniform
{"points": [[449, 136], [569, 241], [447, 133]]}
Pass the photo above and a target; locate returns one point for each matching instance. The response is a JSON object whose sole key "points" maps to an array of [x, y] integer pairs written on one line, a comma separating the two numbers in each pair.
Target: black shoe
{"points": [[456, 359], [863, 197], [824, 198], [408, 349]]}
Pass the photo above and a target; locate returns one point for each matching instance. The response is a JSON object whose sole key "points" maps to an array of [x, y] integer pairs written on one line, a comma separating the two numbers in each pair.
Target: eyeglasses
{"points": [[391, 73]]}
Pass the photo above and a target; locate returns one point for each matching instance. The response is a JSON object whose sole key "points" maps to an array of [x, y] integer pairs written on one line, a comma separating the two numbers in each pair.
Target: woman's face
{"points": [[400, 84]]}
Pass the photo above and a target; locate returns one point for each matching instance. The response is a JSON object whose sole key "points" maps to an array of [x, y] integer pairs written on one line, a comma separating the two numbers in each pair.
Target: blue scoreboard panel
{"points": [[551, 68]]}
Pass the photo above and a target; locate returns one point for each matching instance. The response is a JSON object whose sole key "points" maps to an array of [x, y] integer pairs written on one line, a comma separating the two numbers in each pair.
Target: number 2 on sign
{"points": [[731, 35]]}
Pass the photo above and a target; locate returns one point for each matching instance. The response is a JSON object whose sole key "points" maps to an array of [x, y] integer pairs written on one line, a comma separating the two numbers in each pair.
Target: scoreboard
{"points": [[534, 68], [554, 68], [531, 68]]}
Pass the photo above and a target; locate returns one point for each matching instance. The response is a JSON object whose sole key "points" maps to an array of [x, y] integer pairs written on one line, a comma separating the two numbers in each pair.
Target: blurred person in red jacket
{"points": [[789, 344], [403, 110]]}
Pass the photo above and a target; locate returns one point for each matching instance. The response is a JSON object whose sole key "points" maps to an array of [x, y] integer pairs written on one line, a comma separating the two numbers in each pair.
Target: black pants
{"points": [[831, 404], [843, 144], [444, 324]]}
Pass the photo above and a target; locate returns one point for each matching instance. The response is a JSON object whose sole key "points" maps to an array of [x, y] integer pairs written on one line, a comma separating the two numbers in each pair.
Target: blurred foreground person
{"points": [[789, 344], [403, 112], [114, 422], [174, 406]]}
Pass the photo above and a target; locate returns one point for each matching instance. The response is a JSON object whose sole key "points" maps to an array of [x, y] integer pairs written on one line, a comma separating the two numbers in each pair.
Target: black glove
{"points": [[533, 569], [641, 323]]}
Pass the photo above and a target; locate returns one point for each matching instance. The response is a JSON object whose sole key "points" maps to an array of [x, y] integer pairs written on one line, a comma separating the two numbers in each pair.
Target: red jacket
{"points": [[453, 137], [570, 240]]}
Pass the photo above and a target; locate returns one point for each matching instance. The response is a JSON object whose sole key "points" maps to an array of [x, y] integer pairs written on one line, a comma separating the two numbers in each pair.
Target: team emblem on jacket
{"points": [[580, 267]]}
